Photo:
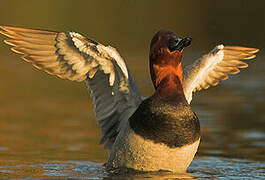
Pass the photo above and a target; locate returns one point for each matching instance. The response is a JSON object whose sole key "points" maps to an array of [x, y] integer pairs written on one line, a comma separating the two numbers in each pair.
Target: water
{"points": [[201, 167], [47, 125]]}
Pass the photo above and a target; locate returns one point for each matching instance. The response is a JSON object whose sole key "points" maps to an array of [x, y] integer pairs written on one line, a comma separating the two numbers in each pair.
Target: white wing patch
{"points": [[83, 46], [104, 52], [116, 56], [208, 62], [215, 66]]}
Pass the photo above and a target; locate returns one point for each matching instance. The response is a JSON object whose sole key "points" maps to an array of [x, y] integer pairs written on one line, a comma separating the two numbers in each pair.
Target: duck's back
{"points": [[160, 135]]}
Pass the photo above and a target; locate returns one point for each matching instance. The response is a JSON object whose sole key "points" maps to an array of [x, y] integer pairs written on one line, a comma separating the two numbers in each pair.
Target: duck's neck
{"points": [[166, 117], [167, 81]]}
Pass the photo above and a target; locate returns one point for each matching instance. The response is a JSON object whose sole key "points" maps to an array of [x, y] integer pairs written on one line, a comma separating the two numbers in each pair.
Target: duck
{"points": [[156, 133]]}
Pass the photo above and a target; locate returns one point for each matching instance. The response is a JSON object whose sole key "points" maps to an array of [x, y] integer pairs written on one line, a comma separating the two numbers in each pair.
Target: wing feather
{"points": [[72, 56], [215, 66]]}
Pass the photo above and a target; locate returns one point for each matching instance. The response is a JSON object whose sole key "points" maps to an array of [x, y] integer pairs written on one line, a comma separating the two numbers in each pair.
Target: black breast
{"points": [[165, 121]]}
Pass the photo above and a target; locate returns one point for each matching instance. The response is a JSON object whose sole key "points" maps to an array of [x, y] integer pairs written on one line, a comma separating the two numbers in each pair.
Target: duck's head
{"points": [[165, 55]]}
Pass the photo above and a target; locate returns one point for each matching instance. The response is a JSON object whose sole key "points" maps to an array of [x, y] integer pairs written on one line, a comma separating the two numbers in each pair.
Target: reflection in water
{"points": [[203, 167]]}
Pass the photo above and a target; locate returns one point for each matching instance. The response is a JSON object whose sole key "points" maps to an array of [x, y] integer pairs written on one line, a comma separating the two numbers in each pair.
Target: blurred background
{"points": [[45, 119]]}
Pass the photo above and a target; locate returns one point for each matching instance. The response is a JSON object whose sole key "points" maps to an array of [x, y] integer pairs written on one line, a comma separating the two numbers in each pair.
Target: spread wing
{"points": [[72, 56], [215, 66]]}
